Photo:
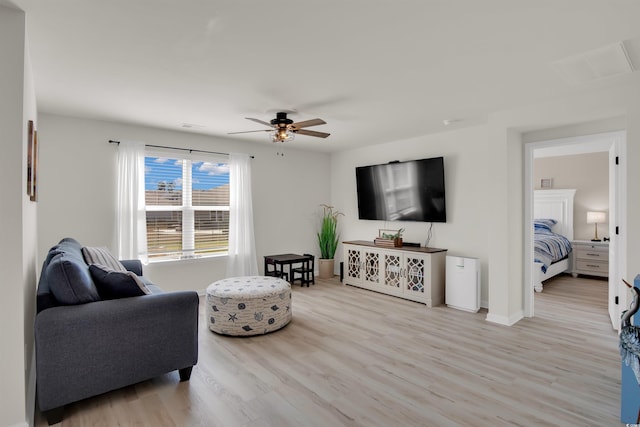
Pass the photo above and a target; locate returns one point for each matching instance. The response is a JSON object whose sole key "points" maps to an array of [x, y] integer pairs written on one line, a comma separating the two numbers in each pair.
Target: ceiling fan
{"points": [[284, 129]]}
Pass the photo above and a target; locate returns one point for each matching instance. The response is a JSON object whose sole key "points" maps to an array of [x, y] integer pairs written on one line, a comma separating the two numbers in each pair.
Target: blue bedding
{"points": [[549, 247]]}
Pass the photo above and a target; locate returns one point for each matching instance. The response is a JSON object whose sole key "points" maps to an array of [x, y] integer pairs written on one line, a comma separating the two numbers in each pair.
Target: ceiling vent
{"points": [[596, 64], [192, 126]]}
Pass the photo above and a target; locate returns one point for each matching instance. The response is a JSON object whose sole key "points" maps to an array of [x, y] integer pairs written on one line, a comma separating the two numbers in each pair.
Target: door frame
{"points": [[610, 142]]}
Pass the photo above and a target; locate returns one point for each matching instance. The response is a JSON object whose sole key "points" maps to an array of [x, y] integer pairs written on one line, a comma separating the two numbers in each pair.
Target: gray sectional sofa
{"points": [[87, 344]]}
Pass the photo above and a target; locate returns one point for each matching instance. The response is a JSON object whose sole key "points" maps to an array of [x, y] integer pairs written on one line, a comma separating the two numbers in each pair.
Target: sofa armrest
{"points": [[88, 349], [134, 265]]}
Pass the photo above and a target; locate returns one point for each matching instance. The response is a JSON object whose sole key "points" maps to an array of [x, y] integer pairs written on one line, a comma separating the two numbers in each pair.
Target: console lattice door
{"points": [[415, 275], [392, 270], [372, 267], [354, 264]]}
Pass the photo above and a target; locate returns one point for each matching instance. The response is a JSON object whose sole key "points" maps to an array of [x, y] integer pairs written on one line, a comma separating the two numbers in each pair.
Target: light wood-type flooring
{"points": [[352, 357]]}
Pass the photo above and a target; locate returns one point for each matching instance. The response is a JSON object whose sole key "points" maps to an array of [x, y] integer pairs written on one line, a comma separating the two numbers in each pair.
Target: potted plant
{"points": [[328, 241]]}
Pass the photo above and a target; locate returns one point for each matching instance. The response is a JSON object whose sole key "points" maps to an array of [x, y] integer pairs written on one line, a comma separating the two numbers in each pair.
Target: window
{"points": [[187, 206]]}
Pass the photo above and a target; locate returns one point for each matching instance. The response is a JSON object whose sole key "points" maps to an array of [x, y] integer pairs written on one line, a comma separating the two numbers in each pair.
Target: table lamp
{"points": [[595, 218]]}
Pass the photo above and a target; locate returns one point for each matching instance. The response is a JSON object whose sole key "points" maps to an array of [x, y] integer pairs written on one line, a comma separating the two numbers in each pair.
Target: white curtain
{"points": [[131, 218], [242, 252]]}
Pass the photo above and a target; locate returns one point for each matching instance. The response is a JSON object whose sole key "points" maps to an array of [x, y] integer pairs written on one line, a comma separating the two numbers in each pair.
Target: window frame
{"points": [[188, 211]]}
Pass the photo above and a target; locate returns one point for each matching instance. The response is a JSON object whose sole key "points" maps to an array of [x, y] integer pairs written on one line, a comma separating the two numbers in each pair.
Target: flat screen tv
{"points": [[402, 191]]}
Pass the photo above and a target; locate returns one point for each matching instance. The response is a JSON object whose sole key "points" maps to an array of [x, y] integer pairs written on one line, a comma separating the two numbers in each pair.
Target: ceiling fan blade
{"points": [[250, 131], [307, 123], [312, 133], [259, 121]]}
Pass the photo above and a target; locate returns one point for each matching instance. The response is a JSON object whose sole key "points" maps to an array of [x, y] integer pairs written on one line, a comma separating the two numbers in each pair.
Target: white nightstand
{"points": [[590, 258]]}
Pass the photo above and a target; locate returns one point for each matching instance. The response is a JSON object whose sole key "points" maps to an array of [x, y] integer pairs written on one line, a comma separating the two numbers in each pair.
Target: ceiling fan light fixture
{"points": [[282, 135], [283, 129]]}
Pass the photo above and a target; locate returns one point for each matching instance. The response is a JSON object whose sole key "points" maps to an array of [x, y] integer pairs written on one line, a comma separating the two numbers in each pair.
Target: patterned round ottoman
{"points": [[251, 305]]}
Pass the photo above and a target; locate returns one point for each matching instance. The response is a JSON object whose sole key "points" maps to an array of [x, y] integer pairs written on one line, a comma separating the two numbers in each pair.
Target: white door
{"points": [[617, 260]]}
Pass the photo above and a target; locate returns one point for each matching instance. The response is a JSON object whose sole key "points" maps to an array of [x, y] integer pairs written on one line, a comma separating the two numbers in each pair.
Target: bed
{"points": [[553, 233]]}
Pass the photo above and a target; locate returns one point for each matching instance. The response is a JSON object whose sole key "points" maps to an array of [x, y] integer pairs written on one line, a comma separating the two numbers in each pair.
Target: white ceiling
{"points": [[376, 71]]}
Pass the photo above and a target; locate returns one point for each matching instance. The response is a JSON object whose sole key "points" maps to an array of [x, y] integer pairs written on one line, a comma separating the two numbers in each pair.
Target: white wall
{"points": [[575, 130], [589, 175], [614, 98], [78, 191], [466, 183], [632, 228], [18, 216], [485, 180], [30, 266]]}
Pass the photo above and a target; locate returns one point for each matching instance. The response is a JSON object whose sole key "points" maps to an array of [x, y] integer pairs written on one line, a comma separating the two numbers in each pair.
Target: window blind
{"points": [[187, 205]]}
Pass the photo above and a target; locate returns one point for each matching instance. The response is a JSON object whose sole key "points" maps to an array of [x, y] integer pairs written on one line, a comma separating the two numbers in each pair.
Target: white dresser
{"points": [[590, 258]]}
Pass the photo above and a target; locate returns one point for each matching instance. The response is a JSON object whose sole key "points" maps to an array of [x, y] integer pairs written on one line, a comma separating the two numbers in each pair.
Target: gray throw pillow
{"points": [[101, 256], [69, 280], [114, 284]]}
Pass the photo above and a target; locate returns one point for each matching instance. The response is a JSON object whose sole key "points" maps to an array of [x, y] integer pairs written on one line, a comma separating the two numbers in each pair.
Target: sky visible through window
{"points": [[161, 171]]}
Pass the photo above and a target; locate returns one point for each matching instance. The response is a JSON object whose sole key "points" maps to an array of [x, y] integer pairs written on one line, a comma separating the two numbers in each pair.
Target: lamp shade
{"points": [[596, 217]]}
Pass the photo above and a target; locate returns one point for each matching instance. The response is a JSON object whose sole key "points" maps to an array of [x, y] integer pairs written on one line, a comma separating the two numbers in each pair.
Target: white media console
{"points": [[413, 273]]}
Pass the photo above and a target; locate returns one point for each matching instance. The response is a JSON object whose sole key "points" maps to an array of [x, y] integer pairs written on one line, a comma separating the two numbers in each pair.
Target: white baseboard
{"points": [[31, 391], [505, 320]]}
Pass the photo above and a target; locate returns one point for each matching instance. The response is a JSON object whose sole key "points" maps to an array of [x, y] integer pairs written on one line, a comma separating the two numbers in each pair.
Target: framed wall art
{"points": [[32, 161], [546, 183]]}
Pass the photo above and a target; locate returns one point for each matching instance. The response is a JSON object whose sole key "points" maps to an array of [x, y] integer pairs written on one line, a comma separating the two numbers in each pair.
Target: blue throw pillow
{"points": [[114, 284], [544, 223], [69, 280]]}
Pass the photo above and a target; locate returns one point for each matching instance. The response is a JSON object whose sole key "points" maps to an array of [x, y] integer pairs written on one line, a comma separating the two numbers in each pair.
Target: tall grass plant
{"points": [[328, 235]]}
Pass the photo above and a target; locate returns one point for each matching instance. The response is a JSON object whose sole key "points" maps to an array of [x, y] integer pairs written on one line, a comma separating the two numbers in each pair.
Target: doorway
{"points": [[613, 143]]}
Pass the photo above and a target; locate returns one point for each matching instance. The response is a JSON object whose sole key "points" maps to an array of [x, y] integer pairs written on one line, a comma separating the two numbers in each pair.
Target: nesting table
{"points": [[284, 259]]}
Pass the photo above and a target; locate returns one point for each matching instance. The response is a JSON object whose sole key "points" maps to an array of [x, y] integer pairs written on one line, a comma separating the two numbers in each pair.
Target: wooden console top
{"points": [[400, 248]]}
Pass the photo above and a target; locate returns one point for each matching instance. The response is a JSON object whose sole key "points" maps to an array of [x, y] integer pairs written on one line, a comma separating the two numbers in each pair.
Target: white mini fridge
{"points": [[462, 290]]}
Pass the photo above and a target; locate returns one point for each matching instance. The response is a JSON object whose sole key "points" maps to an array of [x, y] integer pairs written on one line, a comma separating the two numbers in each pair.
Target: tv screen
{"points": [[402, 191]]}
